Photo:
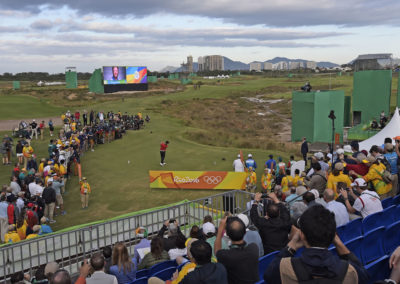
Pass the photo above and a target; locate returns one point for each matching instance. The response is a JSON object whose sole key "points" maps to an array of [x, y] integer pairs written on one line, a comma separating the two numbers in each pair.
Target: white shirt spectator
{"points": [[15, 187], [340, 211], [35, 189], [20, 203], [238, 165], [368, 203]]}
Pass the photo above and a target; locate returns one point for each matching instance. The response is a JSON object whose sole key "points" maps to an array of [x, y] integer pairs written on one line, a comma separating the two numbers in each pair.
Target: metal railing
{"points": [[70, 248]]}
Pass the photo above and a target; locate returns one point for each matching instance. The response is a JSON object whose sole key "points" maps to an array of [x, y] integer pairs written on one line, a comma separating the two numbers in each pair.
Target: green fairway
{"points": [[24, 106]]}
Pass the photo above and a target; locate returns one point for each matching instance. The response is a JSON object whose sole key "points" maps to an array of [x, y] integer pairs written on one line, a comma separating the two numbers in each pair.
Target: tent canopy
{"points": [[392, 129]]}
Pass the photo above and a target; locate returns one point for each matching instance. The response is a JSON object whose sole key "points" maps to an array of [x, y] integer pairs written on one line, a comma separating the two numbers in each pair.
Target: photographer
{"points": [[275, 227], [172, 226], [367, 203]]}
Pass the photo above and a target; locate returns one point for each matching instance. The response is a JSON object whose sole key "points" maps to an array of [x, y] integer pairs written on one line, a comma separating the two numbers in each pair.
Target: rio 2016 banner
{"points": [[197, 180]]}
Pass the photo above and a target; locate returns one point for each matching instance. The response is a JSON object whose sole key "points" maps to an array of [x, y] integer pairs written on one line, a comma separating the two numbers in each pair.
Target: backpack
{"points": [[304, 276]]}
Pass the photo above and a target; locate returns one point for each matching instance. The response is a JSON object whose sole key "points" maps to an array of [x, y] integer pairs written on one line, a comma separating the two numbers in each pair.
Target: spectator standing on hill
{"points": [[241, 259], [316, 261], [91, 117], [318, 179], [51, 127], [238, 164], [250, 162], [367, 203], [304, 149], [41, 127], [85, 192], [85, 118], [3, 216], [49, 197], [275, 227], [34, 127], [271, 163], [19, 152], [163, 150]]}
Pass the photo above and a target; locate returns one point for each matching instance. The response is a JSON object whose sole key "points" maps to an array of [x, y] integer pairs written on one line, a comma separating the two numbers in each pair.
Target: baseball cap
{"points": [[389, 147], [370, 159], [339, 151], [238, 155], [208, 228], [339, 166], [244, 218], [249, 155], [347, 149], [319, 155], [359, 182]]}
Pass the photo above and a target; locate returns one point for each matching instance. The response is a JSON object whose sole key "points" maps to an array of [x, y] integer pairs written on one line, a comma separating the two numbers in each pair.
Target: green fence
{"points": [[71, 80], [16, 85], [96, 82]]}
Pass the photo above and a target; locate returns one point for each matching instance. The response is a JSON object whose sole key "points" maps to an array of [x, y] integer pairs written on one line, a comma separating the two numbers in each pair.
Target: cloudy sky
{"points": [[44, 35]]}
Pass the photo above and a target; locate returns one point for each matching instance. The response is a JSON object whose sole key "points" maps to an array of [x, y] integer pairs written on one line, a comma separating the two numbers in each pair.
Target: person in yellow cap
{"points": [[27, 151], [11, 236], [337, 176], [251, 180], [85, 192]]}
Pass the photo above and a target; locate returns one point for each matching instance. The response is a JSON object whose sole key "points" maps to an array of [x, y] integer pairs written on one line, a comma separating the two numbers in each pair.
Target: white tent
{"points": [[392, 129]]}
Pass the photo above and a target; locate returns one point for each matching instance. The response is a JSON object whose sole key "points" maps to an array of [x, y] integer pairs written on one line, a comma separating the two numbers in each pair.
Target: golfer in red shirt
{"points": [[163, 149]]}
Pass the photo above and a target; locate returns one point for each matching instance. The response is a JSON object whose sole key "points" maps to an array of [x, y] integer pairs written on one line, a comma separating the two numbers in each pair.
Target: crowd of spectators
{"points": [[34, 196]]}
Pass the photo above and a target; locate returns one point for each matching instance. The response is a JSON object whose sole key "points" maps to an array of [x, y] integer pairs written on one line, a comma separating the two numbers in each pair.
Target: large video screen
{"points": [[124, 75]]}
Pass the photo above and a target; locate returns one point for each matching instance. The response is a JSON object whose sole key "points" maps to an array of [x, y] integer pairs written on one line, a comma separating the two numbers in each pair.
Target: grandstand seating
{"points": [[162, 266], [142, 273], [142, 280], [396, 214], [165, 274], [396, 200], [387, 202], [372, 245], [378, 269], [264, 261], [391, 237], [371, 222], [388, 216], [354, 246], [352, 230]]}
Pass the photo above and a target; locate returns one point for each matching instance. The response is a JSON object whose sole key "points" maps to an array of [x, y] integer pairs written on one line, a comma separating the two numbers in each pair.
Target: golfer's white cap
{"points": [[249, 155], [238, 155]]}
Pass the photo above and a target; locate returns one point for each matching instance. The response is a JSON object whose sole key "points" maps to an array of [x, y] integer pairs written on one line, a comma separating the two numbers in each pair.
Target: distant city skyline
{"points": [[45, 36]]}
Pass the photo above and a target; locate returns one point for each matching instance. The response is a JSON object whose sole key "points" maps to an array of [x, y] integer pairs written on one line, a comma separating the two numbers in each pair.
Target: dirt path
{"points": [[8, 125]]}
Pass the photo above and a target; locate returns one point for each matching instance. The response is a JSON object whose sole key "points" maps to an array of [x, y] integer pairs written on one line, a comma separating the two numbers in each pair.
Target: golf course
{"points": [[206, 127]]}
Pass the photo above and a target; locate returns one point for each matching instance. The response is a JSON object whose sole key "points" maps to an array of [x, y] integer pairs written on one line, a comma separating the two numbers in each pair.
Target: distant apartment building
{"points": [[188, 66], [295, 65], [311, 65], [210, 63], [267, 66], [256, 66], [281, 65]]}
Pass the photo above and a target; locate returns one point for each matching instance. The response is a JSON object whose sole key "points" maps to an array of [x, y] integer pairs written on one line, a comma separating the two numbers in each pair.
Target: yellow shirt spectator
{"points": [[27, 151], [285, 182], [11, 237], [31, 236], [337, 176]]}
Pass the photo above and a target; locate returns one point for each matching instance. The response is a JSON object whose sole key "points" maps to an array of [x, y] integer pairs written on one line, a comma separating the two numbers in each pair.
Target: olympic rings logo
{"points": [[212, 179]]}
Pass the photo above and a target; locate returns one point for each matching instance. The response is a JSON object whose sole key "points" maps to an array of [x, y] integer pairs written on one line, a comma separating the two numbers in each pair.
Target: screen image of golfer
{"points": [[136, 75], [114, 75], [124, 75]]}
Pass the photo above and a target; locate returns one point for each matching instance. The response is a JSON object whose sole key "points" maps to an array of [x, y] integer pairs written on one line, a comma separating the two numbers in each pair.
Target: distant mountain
{"points": [[326, 64], [170, 69], [235, 65]]}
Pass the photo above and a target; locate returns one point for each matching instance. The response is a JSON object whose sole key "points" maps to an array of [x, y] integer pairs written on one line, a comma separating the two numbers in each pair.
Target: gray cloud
{"points": [[270, 13], [42, 24], [11, 29]]}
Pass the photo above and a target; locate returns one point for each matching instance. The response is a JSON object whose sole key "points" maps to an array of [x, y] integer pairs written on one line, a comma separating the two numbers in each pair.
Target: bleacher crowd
{"points": [[337, 221], [35, 193]]}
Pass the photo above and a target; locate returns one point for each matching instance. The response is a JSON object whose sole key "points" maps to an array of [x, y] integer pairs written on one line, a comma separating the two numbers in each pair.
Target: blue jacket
{"points": [[251, 163], [122, 277]]}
